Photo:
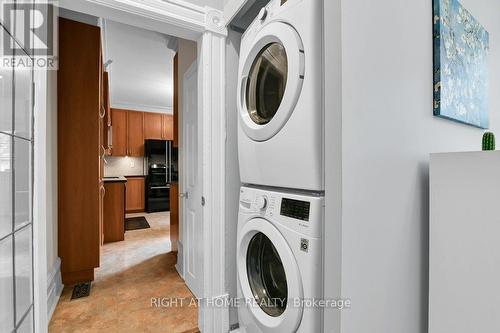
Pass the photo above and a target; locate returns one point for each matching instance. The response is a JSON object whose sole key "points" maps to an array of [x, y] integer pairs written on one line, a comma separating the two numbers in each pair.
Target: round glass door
{"points": [[266, 83], [271, 76], [266, 275]]}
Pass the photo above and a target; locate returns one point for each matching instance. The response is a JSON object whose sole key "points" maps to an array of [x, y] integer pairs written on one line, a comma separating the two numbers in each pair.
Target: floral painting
{"points": [[461, 47]]}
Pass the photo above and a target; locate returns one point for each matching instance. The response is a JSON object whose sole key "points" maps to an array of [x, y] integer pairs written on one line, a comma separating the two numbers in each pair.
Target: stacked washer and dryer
{"points": [[280, 144]]}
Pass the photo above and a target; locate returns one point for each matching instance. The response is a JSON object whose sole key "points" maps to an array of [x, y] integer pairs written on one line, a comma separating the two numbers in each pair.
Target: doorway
{"points": [[129, 256], [206, 28]]}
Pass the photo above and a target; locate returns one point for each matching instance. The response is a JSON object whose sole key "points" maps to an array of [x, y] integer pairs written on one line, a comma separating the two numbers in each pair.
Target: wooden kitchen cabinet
{"points": [[80, 193], [158, 126], [135, 133], [106, 110], [114, 212], [136, 202], [153, 126], [131, 128], [168, 127], [119, 130]]}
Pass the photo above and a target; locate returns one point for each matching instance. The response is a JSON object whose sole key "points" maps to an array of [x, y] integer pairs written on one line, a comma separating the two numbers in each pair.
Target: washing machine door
{"points": [[269, 277], [270, 80]]}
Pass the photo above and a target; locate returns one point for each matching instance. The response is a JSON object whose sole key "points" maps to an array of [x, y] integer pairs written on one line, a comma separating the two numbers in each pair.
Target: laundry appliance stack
{"points": [[280, 145]]}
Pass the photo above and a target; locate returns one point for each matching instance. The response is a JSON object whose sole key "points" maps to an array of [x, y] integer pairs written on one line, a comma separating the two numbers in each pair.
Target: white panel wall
{"points": [[464, 243], [388, 132]]}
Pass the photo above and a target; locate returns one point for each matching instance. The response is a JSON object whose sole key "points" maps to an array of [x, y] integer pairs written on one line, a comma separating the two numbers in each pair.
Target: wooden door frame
{"points": [[206, 26]]}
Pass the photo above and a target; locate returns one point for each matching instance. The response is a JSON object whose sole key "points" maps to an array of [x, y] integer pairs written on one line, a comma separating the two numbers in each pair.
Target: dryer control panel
{"points": [[303, 213]]}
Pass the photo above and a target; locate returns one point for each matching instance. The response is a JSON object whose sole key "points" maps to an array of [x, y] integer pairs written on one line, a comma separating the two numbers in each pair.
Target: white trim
{"points": [[332, 101], [54, 288], [143, 108], [211, 72], [173, 17], [40, 202]]}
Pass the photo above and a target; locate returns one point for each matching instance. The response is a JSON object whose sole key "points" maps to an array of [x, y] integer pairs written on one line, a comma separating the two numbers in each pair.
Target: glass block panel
{"points": [[6, 83], [23, 102], [2, 8], [27, 324], [23, 271], [6, 286], [5, 185], [23, 183]]}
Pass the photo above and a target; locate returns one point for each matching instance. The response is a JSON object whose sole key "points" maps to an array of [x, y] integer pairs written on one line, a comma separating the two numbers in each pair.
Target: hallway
{"points": [[132, 272]]}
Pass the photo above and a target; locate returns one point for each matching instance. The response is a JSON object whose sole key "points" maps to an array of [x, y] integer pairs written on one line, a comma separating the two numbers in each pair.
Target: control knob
{"points": [[261, 203]]}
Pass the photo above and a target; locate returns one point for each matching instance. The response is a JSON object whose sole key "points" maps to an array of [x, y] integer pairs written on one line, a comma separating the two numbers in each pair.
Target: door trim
{"points": [[206, 26]]}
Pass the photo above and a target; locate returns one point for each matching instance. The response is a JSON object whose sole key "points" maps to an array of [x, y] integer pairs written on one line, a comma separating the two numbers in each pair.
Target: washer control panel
{"points": [[303, 213], [296, 209]]}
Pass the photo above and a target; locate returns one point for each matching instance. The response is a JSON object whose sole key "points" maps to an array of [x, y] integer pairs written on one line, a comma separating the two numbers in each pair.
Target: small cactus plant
{"points": [[488, 141]]}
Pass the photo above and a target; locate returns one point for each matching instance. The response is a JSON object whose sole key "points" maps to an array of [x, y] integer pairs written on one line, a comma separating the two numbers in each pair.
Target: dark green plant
{"points": [[488, 141]]}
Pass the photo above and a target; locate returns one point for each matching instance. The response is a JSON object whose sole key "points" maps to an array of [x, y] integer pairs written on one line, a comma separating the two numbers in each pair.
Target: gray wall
{"points": [[388, 132], [232, 166]]}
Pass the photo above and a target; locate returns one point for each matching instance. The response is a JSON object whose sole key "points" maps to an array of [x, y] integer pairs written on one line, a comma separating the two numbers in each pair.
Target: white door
{"points": [[192, 214]]}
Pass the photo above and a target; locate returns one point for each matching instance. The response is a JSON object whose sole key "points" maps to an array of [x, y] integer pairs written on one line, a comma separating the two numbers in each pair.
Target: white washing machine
{"points": [[279, 261], [279, 98]]}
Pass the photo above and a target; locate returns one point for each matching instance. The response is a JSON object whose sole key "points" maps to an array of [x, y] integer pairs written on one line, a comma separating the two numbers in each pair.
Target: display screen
{"points": [[295, 209]]}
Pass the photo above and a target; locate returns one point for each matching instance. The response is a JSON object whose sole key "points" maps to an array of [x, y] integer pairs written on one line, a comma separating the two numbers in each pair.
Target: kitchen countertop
{"points": [[119, 179]]}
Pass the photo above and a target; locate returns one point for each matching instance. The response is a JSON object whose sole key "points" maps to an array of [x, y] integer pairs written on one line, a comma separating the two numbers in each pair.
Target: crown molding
{"points": [[178, 13]]}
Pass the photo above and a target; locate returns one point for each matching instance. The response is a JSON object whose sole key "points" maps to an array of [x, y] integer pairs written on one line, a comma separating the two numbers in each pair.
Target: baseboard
{"points": [[135, 211], [54, 288]]}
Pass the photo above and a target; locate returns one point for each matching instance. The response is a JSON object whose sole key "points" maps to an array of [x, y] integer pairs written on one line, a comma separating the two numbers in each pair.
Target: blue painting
{"points": [[461, 47]]}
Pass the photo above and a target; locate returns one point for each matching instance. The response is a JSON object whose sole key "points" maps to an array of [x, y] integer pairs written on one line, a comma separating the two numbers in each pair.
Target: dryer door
{"points": [[269, 277], [270, 81]]}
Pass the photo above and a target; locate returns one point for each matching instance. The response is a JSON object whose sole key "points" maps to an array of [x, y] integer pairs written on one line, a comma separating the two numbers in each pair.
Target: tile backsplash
{"points": [[124, 166]]}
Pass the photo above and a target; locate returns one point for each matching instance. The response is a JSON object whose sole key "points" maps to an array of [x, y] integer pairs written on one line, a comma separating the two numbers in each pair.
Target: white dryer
{"points": [[279, 97], [279, 261]]}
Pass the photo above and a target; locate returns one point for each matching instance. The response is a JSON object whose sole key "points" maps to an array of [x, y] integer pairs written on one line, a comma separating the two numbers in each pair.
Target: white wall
{"points": [[141, 75], [232, 166], [388, 133]]}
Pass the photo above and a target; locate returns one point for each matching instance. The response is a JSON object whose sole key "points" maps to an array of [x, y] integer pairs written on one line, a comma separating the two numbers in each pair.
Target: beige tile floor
{"points": [[132, 272]]}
